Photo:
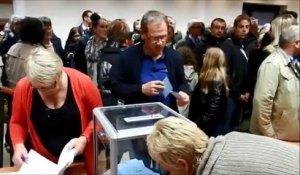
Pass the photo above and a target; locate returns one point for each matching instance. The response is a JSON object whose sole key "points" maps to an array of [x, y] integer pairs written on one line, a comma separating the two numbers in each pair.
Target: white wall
{"points": [[229, 9], [67, 13]]}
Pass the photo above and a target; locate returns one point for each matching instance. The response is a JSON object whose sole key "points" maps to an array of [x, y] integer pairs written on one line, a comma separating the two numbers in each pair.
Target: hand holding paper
{"points": [[183, 100], [66, 158], [37, 164], [20, 154], [168, 87], [152, 88]]}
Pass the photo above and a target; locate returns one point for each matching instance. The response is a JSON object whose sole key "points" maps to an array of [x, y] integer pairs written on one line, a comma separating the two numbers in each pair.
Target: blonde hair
{"points": [[213, 69], [175, 138], [278, 25], [43, 66]]}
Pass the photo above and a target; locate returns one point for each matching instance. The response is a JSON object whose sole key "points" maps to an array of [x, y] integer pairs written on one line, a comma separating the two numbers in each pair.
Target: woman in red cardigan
{"points": [[53, 106]]}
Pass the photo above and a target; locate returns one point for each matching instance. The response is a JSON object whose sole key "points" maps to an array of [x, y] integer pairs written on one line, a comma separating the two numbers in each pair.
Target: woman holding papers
{"points": [[53, 106], [209, 99]]}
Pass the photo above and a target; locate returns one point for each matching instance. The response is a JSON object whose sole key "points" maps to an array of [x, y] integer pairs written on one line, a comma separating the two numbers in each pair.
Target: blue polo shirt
{"points": [[155, 70]]}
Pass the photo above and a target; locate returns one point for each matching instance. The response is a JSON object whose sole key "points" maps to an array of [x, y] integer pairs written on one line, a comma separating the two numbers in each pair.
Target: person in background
{"points": [[214, 39], [177, 33], [294, 14], [31, 38], [70, 47], [11, 35], [136, 33], [52, 106], [95, 44], [118, 38], [251, 39], [143, 81], [195, 31], [190, 74], [190, 65], [85, 32], [277, 26], [2, 33], [276, 103], [84, 27], [237, 57], [51, 41], [181, 148], [209, 98], [170, 38], [264, 30], [138, 75]]}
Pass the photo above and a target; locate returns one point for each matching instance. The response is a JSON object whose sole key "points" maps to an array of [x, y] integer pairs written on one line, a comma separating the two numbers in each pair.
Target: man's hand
{"points": [[247, 96], [184, 100], [152, 88], [244, 97]]}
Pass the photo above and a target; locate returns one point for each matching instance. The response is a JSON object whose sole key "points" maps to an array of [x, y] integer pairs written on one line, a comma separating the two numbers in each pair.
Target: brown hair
{"points": [[187, 56], [239, 18], [118, 31]]}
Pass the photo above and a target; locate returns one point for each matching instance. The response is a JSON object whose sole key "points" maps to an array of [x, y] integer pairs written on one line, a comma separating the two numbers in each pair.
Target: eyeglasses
{"points": [[156, 39]]}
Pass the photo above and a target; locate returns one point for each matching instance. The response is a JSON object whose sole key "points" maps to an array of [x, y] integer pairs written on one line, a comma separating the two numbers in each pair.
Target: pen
{"points": [[24, 158]]}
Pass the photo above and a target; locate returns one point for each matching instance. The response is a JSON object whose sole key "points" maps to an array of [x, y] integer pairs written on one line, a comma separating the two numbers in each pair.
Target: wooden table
{"points": [[74, 169], [8, 169]]}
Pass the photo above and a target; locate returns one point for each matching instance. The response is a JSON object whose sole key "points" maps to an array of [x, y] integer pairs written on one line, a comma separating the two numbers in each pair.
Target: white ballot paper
{"points": [[37, 164], [176, 95]]}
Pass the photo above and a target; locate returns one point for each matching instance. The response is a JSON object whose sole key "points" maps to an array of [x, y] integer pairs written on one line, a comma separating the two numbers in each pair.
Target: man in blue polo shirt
{"points": [[140, 73], [145, 71]]}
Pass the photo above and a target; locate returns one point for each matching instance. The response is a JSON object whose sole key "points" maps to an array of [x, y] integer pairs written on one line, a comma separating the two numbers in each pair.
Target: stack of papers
{"points": [[37, 164]]}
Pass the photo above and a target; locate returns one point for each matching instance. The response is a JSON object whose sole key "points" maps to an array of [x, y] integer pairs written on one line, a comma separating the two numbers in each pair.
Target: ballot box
{"points": [[123, 137]]}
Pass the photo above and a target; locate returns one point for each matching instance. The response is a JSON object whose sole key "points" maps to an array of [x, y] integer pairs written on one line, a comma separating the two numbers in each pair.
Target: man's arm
{"points": [[119, 83], [264, 94]]}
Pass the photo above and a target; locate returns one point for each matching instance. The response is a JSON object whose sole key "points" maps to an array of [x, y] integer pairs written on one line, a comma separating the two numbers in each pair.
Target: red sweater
{"points": [[87, 97]]}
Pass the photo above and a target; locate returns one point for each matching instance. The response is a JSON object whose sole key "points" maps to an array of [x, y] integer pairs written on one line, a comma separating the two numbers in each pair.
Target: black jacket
{"points": [[56, 42], [79, 57], [206, 110], [200, 49], [109, 56], [125, 75], [237, 66]]}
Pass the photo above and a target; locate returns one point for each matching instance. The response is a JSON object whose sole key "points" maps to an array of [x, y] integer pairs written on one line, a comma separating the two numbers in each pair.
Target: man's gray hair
{"points": [[15, 18], [152, 16], [290, 34]]}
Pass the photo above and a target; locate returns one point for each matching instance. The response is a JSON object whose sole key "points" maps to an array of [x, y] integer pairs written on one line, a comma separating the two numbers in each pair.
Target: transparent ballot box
{"points": [[121, 147]]}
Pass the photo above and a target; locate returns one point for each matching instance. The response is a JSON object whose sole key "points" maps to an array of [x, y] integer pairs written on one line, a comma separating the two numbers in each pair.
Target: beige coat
{"points": [[276, 102], [16, 57]]}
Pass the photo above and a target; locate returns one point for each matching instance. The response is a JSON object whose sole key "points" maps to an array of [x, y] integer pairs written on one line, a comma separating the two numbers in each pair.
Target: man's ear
{"points": [[297, 43], [143, 34], [184, 164]]}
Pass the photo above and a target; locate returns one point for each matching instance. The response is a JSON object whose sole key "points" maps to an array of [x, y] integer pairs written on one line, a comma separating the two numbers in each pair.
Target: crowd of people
{"points": [[223, 75]]}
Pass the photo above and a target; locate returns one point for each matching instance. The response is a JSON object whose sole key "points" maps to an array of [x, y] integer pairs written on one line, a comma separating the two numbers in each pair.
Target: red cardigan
{"points": [[87, 97]]}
